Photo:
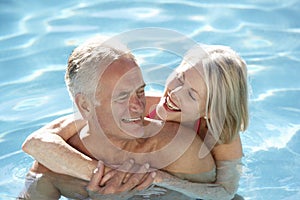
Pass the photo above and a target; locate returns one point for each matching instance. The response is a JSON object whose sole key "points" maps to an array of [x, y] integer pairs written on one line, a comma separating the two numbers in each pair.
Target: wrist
{"points": [[159, 176], [90, 168]]}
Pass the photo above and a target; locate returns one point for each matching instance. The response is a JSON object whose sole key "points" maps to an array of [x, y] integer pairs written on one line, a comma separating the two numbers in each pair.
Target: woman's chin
{"points": [[166, 115], [161, 112]]}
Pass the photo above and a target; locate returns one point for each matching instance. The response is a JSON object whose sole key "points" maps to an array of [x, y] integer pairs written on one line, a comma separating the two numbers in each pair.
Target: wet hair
{"points": [[225, 74], [88, 61]]}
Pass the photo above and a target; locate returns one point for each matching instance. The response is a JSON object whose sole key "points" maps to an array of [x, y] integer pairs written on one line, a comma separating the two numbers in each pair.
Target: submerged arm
{"points": [[228, 175], [48, 146], [205, 184]]}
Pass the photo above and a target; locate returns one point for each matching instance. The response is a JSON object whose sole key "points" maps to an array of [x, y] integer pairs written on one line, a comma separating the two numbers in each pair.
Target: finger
{"points": [[116, 183], [126, 166], [112, 183], [143, 170], [122, 175], [136, 178], [116, 177], [93, 185], [132, 182], [108, 176], [146, 182]]}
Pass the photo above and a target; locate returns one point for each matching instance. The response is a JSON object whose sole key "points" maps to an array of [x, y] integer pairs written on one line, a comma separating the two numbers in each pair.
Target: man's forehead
{"points": [[121, 66], [126, 75], [121, 74], [130, 81]]}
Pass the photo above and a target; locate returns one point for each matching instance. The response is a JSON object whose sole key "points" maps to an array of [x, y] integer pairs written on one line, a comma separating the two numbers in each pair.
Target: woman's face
{"points": [[184, 98]]}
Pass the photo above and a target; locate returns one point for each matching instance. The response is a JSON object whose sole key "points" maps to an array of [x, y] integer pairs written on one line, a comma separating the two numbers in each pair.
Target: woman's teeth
{"points": [[171, 105]]}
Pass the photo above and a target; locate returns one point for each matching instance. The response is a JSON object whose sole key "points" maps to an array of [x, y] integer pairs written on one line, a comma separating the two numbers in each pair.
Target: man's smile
{"points": [[128, 120]]}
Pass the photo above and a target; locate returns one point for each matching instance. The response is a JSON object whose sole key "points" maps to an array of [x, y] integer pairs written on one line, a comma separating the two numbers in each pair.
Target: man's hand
{"points": [[119, 182]]}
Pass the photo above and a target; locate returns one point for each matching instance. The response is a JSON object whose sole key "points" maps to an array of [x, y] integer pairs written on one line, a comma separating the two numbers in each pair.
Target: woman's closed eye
{"points": [[193, 94]]}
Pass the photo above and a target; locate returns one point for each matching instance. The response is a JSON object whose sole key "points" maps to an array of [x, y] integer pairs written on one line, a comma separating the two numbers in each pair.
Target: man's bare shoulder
{"points": [[65, 121], [65, 126]]}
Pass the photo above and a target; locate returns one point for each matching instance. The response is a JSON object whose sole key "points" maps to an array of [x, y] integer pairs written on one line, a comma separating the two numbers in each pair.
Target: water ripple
{"points": [[272, 92], [34, 75], [36, 38]]}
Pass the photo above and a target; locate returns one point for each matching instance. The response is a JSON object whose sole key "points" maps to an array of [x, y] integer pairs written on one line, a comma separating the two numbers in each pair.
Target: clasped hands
{"points": [[122, 182]]}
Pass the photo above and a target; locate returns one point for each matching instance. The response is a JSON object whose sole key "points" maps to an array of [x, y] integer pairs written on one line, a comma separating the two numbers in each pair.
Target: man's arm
{"points": [[48, 146], [37, 187]]}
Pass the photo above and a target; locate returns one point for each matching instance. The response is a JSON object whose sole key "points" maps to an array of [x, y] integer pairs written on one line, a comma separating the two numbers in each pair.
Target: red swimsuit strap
{"points": [[152, 114], [197, 126]]}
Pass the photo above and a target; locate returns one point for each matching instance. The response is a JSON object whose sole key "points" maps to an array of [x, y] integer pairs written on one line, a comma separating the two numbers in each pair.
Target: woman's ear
{"points": [[83, 105]]}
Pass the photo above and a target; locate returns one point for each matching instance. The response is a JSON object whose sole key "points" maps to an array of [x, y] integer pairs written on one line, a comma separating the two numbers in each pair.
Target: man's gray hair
{"points": [[87, 63]]}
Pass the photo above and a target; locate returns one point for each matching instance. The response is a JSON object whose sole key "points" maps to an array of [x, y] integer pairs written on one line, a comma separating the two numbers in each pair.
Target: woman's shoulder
{"points": [[230, 151]]}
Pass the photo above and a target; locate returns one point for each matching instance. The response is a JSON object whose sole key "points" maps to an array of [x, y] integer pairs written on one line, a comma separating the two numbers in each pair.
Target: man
{"points": [[108, 89]]}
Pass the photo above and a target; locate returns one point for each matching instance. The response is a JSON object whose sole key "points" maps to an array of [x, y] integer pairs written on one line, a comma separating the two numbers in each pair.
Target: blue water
{"points": [[36, 38]]}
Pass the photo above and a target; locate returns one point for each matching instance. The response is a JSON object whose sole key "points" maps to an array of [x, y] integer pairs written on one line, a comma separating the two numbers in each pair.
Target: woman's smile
{"points": [[171, 105]]}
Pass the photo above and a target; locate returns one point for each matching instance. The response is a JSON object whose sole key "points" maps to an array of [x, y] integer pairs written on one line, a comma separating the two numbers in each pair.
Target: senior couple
{"points": [[183, 145]]}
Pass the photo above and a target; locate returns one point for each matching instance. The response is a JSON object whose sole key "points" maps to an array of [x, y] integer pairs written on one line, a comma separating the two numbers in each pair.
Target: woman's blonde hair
{"points": [[225, 74]]}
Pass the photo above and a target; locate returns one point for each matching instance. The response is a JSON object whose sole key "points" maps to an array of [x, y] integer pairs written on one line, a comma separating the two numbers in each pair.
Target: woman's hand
{"points": [[125, 181]]}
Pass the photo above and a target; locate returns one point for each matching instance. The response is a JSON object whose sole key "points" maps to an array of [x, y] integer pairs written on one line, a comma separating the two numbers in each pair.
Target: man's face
{"points": [[122, 100]]}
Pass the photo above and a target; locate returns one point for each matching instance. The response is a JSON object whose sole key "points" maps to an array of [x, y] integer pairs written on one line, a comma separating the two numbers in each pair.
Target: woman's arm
{"points": [[228, 170], [48, 146], [228, 175]]}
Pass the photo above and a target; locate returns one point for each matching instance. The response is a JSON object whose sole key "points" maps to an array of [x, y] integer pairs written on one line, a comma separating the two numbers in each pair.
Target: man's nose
{"points": [[137, 104]]}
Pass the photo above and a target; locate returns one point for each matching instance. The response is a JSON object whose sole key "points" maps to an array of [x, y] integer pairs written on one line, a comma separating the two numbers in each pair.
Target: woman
{"points": [[208, 92], [212, 91]]}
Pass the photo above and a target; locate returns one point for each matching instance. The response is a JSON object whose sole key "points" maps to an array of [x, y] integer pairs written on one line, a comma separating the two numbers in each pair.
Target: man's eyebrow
{"points": [[125, 92], [144, 85]]}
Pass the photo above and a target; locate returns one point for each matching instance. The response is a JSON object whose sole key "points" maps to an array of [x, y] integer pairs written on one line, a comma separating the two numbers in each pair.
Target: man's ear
{"points": [[83, 105]]}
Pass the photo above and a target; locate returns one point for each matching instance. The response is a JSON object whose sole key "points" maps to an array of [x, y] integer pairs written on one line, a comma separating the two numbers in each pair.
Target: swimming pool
{"points": [[36, 38]]}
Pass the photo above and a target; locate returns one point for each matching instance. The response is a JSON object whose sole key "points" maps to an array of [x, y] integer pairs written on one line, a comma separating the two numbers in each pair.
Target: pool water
{"points": [[36, 38]]}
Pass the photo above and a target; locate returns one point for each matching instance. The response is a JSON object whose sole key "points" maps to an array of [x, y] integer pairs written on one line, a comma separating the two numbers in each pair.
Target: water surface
{"points": [[36, 38]]}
